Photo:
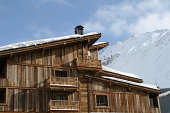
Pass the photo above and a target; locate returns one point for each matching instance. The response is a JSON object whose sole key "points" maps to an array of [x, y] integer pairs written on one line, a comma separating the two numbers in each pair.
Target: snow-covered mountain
{"points": [[147, 55]]}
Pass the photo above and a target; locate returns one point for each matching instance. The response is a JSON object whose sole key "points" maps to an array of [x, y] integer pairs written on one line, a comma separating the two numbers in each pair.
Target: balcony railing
{"points": [[63, 105], [64, 81], [88, 63]]}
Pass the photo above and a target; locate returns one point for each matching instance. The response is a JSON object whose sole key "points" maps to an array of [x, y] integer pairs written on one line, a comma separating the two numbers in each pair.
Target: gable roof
{"points": [[41, 43]]}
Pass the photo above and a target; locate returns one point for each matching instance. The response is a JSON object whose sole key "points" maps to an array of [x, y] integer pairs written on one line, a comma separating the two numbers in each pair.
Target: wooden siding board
{"points": [[130, 103], [122, 102]]}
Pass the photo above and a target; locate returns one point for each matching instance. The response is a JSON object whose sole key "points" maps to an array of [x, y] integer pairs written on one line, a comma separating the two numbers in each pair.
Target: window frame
{"points": [[108, 105], [6, 93], [66, 70]]}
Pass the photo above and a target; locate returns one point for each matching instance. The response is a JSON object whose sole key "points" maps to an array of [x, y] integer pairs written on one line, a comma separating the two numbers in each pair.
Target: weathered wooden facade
{"points": [[65, 75]]}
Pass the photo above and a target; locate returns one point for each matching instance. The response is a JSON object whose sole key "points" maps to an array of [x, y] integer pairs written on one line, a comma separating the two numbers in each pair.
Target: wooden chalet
{"points": [[64, 74]]}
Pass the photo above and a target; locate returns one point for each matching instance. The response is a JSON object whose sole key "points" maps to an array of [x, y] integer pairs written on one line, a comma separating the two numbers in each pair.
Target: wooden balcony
{"points": [[63, 83], [88, 64], [63, 105]]}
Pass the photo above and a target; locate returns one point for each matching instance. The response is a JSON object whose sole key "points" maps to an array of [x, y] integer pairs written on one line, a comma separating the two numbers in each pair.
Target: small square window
{"points": [[2, 95], [101, 100]]}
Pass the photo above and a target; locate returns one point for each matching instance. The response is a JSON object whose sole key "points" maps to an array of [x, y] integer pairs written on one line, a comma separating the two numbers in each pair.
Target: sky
{"points": [[26, 20]]}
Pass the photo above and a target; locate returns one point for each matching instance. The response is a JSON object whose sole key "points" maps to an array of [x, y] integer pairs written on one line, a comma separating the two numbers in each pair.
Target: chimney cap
{"points": [[79, 30], [79, 27]]}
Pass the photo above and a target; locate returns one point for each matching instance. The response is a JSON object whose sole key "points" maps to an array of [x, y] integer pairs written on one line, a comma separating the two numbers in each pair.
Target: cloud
{"points": [[131, 16], [150, 23], [118, 27], [96, 26], [43, 32], [38, 3]]}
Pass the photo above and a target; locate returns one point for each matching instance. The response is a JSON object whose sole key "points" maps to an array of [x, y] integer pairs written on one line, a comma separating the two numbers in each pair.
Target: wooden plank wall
{"points": [[60, 56], [27, 100], [94, 54], [84, 96], [28, 74], [121, 99]]}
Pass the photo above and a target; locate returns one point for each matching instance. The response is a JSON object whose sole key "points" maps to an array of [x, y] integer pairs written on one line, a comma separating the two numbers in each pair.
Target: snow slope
{"points": [[146, 55]]}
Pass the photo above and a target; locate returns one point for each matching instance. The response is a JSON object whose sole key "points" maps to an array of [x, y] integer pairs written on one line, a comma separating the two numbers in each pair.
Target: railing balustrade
{"points": [[63, 105], [64, 81], [88, 63]]}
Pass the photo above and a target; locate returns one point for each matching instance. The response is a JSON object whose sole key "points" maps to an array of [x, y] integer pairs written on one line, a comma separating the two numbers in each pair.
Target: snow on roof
{"points": [[60, 85], [164, 94], [64, 109], [132, 83], [99, 43], [42, 41], [104, 68]]}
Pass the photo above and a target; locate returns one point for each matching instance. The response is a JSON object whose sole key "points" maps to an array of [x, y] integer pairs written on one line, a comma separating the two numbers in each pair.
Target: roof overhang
{"points": [[90, 38], [99, 46]]}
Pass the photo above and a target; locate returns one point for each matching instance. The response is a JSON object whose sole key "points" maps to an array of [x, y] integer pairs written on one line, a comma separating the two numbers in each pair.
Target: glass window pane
{"points": [[60, 73], [64, 97], [58, 97], [101, 100], [61, 97], [2, 95]]}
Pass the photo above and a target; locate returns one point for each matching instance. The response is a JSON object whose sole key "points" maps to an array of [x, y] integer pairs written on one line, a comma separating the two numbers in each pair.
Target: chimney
{"points": [[79, 30]]}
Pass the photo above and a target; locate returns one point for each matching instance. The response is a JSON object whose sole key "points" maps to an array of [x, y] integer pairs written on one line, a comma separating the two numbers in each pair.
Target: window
{"points": [[61, 73], [101, 100], [3, 66], [153, 100], [2, 95], [61, 97]]}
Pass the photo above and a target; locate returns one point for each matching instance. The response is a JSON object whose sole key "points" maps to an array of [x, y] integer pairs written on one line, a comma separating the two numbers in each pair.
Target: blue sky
{"points": [[25, 20]]}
